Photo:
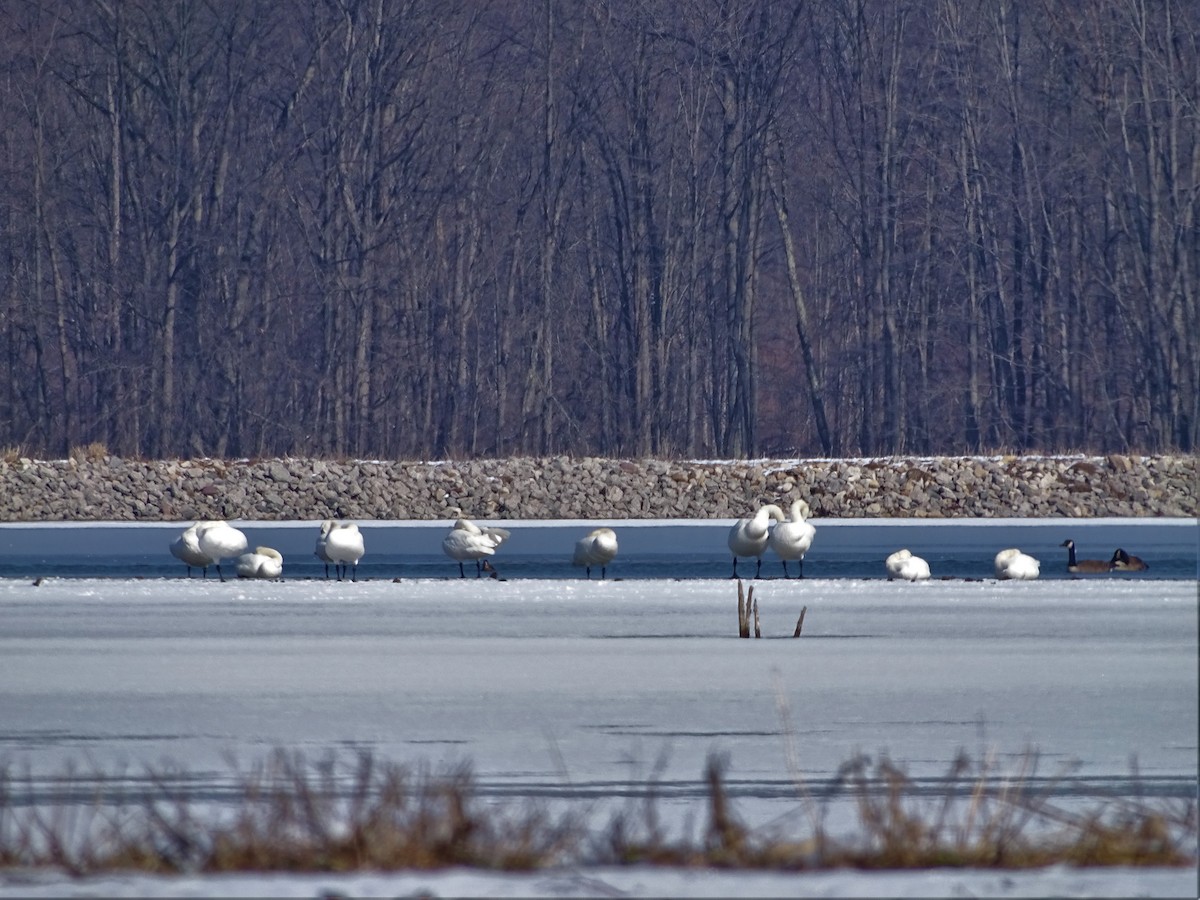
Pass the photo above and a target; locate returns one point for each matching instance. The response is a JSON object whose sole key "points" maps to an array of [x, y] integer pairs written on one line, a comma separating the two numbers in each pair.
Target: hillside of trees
{"points": [[675, 228]]}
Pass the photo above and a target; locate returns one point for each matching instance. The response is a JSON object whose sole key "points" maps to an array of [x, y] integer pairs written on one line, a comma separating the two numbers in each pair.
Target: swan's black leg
{"points": [[758, 568], [734, 575], [461, 572]]}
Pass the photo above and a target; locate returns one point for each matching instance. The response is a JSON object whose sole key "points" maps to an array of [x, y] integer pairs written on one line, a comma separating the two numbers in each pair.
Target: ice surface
{"points": [[636, 881]]}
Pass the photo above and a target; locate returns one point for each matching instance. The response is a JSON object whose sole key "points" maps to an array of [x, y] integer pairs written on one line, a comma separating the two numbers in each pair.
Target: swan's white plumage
{"points": [[597, 548], [219, 540], [186, 548], [321, 550], [1012, 564], [791, 539], [748, 537], [902, 564], [340, 543], [264, 562], [467, 541]]}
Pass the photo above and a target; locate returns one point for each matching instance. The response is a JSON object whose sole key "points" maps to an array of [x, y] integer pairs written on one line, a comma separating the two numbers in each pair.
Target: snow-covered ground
{"points": [[577, 692], [640, 881]]}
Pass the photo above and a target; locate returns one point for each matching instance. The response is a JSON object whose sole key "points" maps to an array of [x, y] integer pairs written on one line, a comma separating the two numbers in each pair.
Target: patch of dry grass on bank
{"points": [[338, 815]]}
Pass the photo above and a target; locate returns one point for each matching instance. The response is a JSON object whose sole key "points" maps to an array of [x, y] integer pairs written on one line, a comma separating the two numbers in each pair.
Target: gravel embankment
{"points": [[111, 488]]}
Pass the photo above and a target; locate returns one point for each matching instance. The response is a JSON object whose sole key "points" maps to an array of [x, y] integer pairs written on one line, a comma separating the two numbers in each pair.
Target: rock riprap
{"points": [[109, 488]]}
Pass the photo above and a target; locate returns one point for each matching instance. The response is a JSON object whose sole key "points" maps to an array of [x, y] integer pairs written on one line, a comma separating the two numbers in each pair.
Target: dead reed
{"points": [[334, 815]]}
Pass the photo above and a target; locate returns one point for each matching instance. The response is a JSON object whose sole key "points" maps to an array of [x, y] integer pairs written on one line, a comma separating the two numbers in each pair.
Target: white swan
{"points": [[264, 562], [791, 539], [597, 548], [186, 548], [340, 543], [1013, 564], [467, 540], [748, 537], [321, 551], [902, 564], [219, 540]]}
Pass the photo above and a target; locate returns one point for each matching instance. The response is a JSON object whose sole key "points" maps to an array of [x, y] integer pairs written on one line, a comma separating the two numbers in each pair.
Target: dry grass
{"points": [[337, 815], [94, 451]]}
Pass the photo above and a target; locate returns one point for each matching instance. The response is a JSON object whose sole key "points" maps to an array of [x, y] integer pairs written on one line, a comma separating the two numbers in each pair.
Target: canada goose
{"points": [[597, 548], [219, 540], [1123, 562], [186, 548], [264, 562], [748, 537], [791, 539], [467, 540], [1083, 565], [342, 545], [1015, 565], [902, 564]]}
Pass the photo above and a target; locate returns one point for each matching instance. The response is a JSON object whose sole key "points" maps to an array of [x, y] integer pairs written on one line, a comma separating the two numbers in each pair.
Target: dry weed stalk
{"points": [[744, 610], [800, 622], [292, 815]]}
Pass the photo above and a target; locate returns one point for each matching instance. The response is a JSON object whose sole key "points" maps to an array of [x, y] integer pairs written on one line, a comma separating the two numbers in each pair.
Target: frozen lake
{"points": [[554, 686], [585, 692]]}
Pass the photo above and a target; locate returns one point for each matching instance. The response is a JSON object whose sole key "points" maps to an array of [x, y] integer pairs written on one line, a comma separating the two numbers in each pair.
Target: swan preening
{"points": [[749, 537], [219, 540], [1083, 565], [467, 541], [902, 564], [340, 543], [597, 548], [1015, 565], [791, 539], [1123, 562], [263, 562], [186, 548]]}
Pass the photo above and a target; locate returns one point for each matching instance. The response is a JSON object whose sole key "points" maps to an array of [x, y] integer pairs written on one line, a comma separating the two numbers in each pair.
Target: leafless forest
{"points": [[476, 228]]}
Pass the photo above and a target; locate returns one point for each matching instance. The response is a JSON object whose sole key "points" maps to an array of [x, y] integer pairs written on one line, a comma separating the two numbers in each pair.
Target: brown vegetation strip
{"points": [[333, 815]]}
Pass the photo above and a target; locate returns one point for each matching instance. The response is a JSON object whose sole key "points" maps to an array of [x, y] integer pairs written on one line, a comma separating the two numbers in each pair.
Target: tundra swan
{"points": [[321, 551], [791, 539], [264, 562], [902, 564], [1123, 562], [1083, 565], [467, 540], [186, 548], [340, 543], [596, 548], [219, 540], [748, 537], [1013, 564]]}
